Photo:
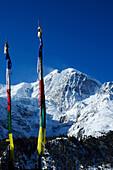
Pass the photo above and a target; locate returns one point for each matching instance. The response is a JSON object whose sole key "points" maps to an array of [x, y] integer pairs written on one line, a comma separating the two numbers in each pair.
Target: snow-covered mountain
{"points": [[76, 104]]}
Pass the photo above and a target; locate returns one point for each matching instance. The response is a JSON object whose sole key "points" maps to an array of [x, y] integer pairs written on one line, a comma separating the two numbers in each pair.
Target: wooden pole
{"points": [[39, 163]]}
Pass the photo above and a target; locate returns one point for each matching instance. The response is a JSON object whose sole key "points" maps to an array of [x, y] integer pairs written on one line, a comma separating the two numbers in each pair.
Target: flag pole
{"points": [[42, 128], [9, 64], [39, 163]]}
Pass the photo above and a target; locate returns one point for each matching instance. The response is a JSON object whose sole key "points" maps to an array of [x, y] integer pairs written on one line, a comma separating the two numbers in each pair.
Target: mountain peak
{"points": [[71, 96]]}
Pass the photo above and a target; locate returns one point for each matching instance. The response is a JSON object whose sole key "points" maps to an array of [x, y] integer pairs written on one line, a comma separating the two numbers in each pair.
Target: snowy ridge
{"points": [[76, 104], [96, 116]]}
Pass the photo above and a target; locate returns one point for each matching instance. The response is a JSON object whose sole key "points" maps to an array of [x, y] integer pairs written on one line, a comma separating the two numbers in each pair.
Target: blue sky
{"points": [[76, 34]]}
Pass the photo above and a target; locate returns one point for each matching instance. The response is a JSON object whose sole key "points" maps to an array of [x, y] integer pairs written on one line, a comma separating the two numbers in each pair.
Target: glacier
{"points": [[76, 105]]}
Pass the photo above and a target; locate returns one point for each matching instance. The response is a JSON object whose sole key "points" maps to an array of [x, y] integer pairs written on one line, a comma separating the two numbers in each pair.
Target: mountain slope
{"points": [[61, 152], [96, 114]]}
